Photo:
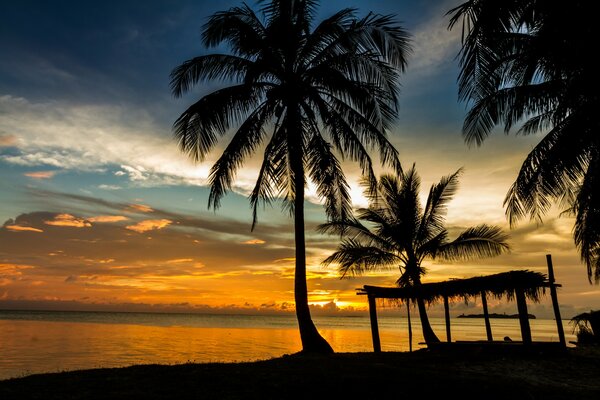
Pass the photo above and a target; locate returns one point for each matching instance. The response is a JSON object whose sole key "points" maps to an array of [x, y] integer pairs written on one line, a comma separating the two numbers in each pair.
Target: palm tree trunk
{"points": [[428, 333], [312, 341]]}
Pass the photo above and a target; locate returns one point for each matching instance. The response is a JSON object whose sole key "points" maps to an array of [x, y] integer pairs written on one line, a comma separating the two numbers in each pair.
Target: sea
{"points": [[34, 342]]}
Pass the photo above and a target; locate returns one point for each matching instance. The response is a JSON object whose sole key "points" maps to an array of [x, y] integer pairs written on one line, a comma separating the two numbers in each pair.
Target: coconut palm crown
{"points": [[396, 232], [528, 63], [307, 94]]}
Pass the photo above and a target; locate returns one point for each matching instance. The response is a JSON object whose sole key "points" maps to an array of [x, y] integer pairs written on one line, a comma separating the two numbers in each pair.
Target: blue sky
{"points": [[85, 131]]}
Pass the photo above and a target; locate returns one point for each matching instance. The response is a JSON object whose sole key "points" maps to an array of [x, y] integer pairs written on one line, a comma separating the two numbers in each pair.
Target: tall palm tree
{"points": [[400, 233], [530, 62], [309, 95]]}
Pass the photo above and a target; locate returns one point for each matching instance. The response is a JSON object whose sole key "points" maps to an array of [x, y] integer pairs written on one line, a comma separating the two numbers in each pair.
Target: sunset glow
{"points": [[101, 210]]}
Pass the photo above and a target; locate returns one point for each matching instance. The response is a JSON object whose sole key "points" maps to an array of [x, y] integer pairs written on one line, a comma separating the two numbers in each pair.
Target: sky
{"points": [[99, 210]]}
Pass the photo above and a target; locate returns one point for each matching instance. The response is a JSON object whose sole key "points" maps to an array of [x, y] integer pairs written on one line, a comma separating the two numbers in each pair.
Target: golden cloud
{"points": [[108, 218], [8, 140], [254, 241], [149, 225], [40, 174], [179, 260], [141, 207], [69, 220], [19, 228]]}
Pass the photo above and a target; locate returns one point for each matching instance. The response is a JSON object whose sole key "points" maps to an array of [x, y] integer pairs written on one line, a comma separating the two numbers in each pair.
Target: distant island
{"points": [[494, 315]]}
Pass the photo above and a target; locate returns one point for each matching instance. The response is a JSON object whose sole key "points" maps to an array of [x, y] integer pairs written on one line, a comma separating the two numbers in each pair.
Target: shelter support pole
{"points": [[486, 317], [409, 325], [447, 315], [523, 316], [559, 325], [374, 325]]}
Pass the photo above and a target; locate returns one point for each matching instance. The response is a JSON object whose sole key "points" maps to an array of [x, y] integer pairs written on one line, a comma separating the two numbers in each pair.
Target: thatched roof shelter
{"points": [[499, 285], [519, 285]]}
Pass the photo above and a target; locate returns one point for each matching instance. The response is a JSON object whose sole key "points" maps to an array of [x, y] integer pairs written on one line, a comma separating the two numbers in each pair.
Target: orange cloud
{"points": [[180, 260], [149, 225], [108, 218], [254, 241], [8, 140], [40, 174], [68, 220], [19, 228], [141, 207]]}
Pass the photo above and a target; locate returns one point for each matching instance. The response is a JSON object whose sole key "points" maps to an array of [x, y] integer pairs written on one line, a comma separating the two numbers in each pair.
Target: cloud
{"points": [[149, 225], [50, 134], [8, 141], [68, 220], [434, 46], [107, 218], [40, 174], [254, 241], [109, 187], [19, 228], [141, 207]]}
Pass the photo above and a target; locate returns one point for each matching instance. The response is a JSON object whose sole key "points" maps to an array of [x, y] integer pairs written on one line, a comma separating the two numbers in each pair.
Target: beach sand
{"points": [[570, 374]]}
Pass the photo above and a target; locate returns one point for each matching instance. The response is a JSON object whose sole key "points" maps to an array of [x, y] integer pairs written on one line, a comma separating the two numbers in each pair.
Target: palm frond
{"points": [[478, 241], [198, 128], [355, 259]]}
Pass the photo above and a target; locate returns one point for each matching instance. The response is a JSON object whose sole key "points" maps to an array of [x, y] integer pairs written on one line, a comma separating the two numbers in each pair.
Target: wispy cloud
{"points": [[254, 241], [40, 174], [108, 218], [141, 208], [149, 225], [19, 228], [8, 140], [68, 220]]}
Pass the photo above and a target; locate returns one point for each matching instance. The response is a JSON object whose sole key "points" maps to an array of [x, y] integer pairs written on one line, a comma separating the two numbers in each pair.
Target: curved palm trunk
{"points": [[428, 333], [312, 341]]}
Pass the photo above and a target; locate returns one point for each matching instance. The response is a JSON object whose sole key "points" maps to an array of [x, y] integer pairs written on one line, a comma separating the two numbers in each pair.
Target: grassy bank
{"points": [[574, 374]]}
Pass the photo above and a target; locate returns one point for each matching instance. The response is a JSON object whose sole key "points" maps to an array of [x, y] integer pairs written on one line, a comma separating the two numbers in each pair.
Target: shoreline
{"points": [[571, 373]]}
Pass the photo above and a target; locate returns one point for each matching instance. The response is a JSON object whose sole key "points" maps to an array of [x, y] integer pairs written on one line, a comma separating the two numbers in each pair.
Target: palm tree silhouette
{"points": [[400, 233], [529, 62], [304, 94]]}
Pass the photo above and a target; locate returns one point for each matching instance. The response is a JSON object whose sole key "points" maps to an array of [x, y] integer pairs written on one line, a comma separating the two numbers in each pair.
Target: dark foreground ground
{"points": [[572, 374]]}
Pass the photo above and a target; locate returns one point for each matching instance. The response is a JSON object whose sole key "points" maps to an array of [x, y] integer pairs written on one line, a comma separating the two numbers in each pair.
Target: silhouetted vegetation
{"points": [[531, 63], [426, 374], [399, 233], [587, 327], [305, 92]]}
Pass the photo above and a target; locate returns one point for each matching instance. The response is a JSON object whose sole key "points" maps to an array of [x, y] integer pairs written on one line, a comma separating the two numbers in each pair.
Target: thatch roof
{"points": [[498, 285]]}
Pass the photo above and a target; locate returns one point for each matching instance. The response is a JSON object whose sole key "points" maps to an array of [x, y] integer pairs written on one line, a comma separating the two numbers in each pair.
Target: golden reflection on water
{"points": [[28, 347]]}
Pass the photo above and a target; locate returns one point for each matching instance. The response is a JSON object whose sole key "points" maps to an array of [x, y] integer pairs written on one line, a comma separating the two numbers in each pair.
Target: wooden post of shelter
{"points": [[374, 325], [409, 325], [553, 295], [523, 316], [486, 316], [447, 315]]}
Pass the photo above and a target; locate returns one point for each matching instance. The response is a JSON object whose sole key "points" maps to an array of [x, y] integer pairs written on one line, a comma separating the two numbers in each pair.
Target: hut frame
{"points": [[520, 285]]}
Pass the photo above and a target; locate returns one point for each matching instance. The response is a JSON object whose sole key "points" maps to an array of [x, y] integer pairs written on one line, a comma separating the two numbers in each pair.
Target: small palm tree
{"points": [[400, 233], [528, 63], [304, 94]]}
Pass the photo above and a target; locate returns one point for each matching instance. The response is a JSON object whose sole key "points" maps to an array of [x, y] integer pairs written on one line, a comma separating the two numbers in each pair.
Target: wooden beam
{"points": [[523, 316], [486, 316], [447, 315], [409, 326], [374, 325], [554, 296]]}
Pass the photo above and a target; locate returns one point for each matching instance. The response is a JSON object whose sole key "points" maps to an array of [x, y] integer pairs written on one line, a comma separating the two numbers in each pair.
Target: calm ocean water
{"points": [[53, 341]]}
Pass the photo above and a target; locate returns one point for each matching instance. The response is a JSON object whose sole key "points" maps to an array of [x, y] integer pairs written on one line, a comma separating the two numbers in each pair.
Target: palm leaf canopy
{"points": [[319, 92], [396, 231], [531, 63], [499, 285]]}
